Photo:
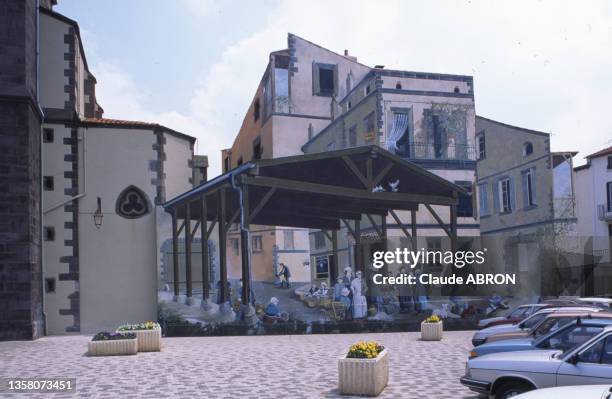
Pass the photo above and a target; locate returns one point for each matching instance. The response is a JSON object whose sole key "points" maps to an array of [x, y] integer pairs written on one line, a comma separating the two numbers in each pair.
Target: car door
{"points": [[593, 366]]}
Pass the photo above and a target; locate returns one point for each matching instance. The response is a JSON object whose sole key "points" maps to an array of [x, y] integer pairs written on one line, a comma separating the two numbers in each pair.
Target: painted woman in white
{"points": [[360, 305]]}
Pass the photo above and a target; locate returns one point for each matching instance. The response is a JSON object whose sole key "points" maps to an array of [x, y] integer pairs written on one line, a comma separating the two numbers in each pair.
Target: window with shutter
{"points": [[324, 79]]}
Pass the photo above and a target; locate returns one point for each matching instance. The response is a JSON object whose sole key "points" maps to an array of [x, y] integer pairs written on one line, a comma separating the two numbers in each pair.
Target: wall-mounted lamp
{"points": [[98, 215]]}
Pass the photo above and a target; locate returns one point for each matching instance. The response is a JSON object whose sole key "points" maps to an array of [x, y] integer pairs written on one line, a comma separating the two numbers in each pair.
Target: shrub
{"points": [[365, 350], [106, 336]]}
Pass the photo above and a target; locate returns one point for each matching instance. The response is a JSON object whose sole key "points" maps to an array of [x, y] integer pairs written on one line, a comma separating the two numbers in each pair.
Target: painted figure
{"points": [[405, 293], [272, 309], [285, 273], [338, 288], [348, 276], [360, 305], [323, 291], [344, 298]]}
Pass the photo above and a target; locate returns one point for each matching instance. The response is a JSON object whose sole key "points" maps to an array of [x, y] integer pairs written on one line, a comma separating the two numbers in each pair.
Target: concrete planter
{"points": [[113, 348], [431, 331], [148, 340], [363, 377]]}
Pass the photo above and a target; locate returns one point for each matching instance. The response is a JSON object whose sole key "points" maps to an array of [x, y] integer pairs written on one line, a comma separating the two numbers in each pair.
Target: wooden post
{"points": [[244, 247], [334, 272], [188, 250], [222, 245], [453, 225], [175, 258], [413, 223], [205, 254], [358, 249]]}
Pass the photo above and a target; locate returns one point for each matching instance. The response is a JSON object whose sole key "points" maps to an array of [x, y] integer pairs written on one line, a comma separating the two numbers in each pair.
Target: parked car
{"points": [[511, 373], [516, 315], [570, 392], [557, 339], [481, 336], [551, 322], [605, 303]]}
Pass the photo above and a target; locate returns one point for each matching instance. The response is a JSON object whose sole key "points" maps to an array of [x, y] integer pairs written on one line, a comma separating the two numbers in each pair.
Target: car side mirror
{"points": [[575, 358]]}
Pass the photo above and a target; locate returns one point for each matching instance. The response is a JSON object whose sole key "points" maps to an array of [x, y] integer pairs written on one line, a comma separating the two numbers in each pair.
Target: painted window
{"points": [[48, 183], [281, 83], [235, 244], [482, 154], [49, 233], [256, 244], [610, 162], [528, 183], [288, 240], [324, 78], [483, 199], [132, 203], [505, 203], [465, 207], [48, 135], [527, 149], [609, 195], [319, 239], [256, 110], [353, 136], [322, 267]]}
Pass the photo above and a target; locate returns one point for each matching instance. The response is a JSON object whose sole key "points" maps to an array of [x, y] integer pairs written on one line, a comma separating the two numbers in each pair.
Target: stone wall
{"points": [[21, 315]]}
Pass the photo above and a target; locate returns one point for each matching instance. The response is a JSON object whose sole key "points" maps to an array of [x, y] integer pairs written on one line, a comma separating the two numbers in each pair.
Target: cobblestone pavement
{"points": [[298, 366]]}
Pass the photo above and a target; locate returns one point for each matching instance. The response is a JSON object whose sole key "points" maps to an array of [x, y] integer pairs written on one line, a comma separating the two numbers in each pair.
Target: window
{"points": [[610, 162], [256, 244], [322, 267], [609, 195], [132, 203], [465, 207], [49, 233], [504, 201], [256, 110], [257, 150], [528, 188], [481, 146], [483, 199], [456, 90], [398, 86], [367, 90], [48, 183], [281, 83], [527, 149], [49, 285], [369, 123], [226, 164], [310, 131], [353, 136], [48, 135], [288, 239], [240, 162], [350, 105], [235, 244], [324, 79], [319, 239]]}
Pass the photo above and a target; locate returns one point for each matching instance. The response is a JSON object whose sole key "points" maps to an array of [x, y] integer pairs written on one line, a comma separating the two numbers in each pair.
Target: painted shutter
{"points": [[533, 186], [495, 187], [512, 195], [336, 80], [525, 189]]}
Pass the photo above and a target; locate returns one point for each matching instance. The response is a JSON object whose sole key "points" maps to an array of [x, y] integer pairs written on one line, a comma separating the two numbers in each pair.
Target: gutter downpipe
{"points": [[238, 188], [41, 237]]}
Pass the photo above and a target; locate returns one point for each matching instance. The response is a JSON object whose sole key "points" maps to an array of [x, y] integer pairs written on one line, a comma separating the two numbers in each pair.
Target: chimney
{"points": [[379, 66], [350, 57]]}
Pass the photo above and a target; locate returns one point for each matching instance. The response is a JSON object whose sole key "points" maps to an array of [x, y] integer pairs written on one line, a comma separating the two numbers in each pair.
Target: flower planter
{"points": [[113, 348], [363, 377], [431, 331], [148, 340]]}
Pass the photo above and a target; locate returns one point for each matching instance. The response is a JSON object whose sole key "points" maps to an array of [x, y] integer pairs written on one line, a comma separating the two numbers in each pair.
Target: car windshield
{"points": [[519, 313], [532, 321], [550, 324], [569, 338]]}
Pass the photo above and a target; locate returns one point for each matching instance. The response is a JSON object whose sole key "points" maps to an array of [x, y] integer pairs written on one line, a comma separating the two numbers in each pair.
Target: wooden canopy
{"points": [[317, 191]]}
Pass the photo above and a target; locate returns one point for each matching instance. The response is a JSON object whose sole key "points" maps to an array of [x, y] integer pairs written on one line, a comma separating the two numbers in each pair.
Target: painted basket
{"points": [[363, 377]]}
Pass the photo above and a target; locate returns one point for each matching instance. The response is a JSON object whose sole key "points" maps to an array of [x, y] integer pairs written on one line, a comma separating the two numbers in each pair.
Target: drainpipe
{"points": [[40, 210]]}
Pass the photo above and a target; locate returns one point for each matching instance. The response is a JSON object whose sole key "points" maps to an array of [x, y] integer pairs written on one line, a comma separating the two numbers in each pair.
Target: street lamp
{"points": [[98, 215]]}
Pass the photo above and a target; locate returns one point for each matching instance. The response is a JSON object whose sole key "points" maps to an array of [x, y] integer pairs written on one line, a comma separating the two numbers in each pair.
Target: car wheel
{"points": [[512, 388]]}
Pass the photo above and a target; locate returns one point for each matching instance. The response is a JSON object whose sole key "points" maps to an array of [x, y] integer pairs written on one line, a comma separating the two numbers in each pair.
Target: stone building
{"points": [[90, 257], [312, 99], [526, 204]]}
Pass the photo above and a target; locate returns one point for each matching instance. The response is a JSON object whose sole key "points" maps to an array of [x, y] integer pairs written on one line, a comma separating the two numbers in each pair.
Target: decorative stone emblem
{"points": [[132, 203]]}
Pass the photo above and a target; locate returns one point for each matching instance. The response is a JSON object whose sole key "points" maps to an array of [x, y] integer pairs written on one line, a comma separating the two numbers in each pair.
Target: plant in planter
{"points": [[364, 370], [431, 328], [108, 344], [148, 333]]}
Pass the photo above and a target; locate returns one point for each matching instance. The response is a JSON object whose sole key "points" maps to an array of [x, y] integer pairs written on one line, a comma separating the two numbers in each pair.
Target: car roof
{"points": [[586, 313], [597, 321], [595, 299], [569, 309]]}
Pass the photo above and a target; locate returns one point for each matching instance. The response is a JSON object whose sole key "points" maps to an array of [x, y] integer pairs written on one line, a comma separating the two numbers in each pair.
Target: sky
{"points": [[194, 65]]}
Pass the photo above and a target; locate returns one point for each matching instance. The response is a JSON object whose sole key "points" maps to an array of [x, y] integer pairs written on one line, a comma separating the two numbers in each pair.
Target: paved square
{"points": [[298, 366]]}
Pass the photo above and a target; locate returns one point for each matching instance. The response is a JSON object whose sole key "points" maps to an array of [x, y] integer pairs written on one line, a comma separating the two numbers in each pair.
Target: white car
{"points": [[480, 336], [511, 373], [605, 303], [571, 392]]}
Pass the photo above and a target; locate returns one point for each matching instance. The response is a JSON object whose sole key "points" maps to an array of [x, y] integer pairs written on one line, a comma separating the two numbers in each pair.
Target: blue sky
{"points": [[193, 65]]}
